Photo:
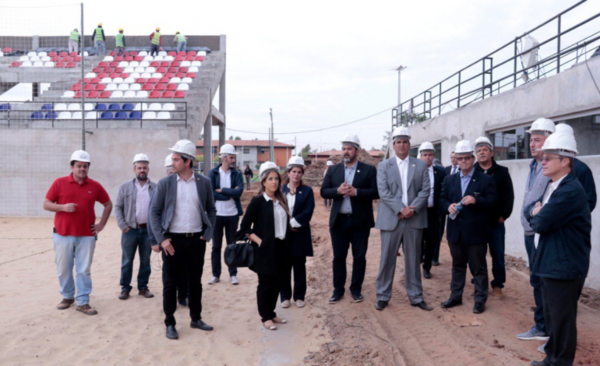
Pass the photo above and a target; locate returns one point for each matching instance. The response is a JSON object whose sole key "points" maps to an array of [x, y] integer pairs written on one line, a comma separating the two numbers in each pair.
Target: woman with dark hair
{"points": [[301, 202], [266, 224], [248, 173]]}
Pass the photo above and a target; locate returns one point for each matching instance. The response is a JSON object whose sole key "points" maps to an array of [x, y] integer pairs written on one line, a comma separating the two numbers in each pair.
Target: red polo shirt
{"points": [[85, 195]]}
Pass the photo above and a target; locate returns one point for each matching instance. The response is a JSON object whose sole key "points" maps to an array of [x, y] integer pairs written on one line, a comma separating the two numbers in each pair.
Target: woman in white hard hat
{"points": [[266, 223], [301, 202]]}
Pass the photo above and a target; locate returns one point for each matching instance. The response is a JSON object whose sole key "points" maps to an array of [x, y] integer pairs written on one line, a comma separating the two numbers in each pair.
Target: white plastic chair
{"points": [[163, 115], [146, 75], [187, 80], [142, 94], [193, 69], [129, 80], [129, 94], [129, 70], [150, 69], [159, 57], [90, 75], [92, 115], [49, 64], [42, 54], [1, 54], [86, 53], [140, 107], [68, 94], [45, 59], [61, 107], [89, 106], [139, 69], [144, 64], [148, 58], [175, 81], [196, 63], [135, 87], [64, 115], [157, 75], [155, 107], [169, 58], [106, 81], [123, 64], [26, 64], [31, 54], [185, 64], [168, 107], [183, 86], [108, 58], [76, 115], [111, 87], [201, 53], [134, 64], [74, 106], [118, 80], [162, 53], [124, 86], [149, 115], [116, 95], [23, 58], [38, 64], [135, 75], [143, 53]]}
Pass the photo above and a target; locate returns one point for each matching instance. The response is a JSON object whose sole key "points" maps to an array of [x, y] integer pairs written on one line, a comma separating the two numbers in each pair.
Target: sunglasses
{"points": [[464, 158]]}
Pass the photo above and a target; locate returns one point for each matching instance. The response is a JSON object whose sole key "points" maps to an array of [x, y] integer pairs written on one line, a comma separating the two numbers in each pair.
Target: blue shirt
{"points": [[349, 176], [465, 180], [533, 166]]}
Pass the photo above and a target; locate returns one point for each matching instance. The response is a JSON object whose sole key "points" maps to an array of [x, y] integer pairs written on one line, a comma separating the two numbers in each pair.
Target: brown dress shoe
{"points": [[87, 309], [146, 293], [65, 304], [497, 292], [124, 295]]}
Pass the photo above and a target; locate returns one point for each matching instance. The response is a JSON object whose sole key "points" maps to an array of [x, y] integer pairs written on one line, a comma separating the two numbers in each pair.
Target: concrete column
{"points": [[35, 42], [208, 137], [222, 89]]}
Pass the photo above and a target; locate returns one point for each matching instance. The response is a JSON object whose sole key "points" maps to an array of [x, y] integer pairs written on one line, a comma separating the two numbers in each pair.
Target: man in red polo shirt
{"points": [[75, 230]]}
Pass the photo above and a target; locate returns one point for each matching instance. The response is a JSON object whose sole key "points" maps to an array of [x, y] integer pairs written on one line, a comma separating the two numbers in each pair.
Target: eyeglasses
{"points": [[547, 158], [464, 158]]}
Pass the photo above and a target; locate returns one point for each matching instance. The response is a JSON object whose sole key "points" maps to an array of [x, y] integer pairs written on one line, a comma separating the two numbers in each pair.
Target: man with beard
{"points": [[131, 211]]}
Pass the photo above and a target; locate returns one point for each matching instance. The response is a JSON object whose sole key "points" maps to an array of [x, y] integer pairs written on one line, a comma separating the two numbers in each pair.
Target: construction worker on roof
{"points": [[181, 41], [98, 39], [74, 41], [156, 41], [120, 42]]}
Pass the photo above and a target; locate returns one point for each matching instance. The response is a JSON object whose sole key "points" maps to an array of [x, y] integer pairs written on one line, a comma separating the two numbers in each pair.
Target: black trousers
{"points": [[154, 50], [298, 265], [343, 235], [229, 225], [431, 238], [188, 260], [560, 299], [475, 255], [182, 287], [269, 285]]}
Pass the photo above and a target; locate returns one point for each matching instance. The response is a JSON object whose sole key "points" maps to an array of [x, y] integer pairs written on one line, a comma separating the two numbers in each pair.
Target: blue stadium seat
{"points": [[127, 107], [47, 107], [5, 107], [135, 115], [37, 115], [114, 107], [106, 115], [51, 115], [100, 107], [121, 115]]}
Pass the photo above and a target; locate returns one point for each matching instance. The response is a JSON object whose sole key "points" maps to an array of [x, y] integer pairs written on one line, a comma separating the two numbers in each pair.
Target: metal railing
{"points": [[431, 102]]}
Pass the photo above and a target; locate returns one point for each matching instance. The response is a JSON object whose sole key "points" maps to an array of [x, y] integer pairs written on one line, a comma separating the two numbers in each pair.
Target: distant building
{"points": [[252, 152], [324, 155]]}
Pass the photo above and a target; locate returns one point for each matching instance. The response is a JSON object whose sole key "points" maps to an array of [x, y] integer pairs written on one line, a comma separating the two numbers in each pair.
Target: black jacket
{"points": [[439, 174], [586, 178], [564, 225], [472, 223], [304, 206], [504, 188], [365, 181], [449, 169], [228, 193], [248, 172]]}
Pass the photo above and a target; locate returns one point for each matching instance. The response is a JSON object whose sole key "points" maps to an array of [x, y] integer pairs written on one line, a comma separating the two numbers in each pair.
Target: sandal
{"points": [[269, 325], [279, 320]]}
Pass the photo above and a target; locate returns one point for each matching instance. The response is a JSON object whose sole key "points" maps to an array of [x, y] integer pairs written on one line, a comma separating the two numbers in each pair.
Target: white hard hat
{"points": [[426, 146], [483, 141], [401, 132], [562, 144], [266, 167], [464, 147], [329, 163], [227, 149], [169, 161], [80, 155], [352, 140], [564, 128], [185, 147], [542, 126], [295, 161], [140, 157]]}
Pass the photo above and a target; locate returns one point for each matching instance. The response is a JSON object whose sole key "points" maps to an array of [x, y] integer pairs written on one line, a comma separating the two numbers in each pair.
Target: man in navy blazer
{"points": [[473, 195]]}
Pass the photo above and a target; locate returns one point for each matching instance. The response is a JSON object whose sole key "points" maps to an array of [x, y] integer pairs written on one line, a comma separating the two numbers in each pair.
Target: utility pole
{"points": [[399, 69], [272, 137]]}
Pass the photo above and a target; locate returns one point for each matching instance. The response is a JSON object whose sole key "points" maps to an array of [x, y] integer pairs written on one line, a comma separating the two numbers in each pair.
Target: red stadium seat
{"points": [[113, 75], [124, 75], [181, 53], [63, 54], [154, 64], [52, 54], [88, 87], [73, 54], [15, 64], [153, 80], [129, 58], [175, 64], [148, 87], [103, 64], [179, 58], [179, 94], [100, 87], [118, 58], [66, 58], [92, 95], [140, 81], [113, 53], [183, 69], [85, 81], [189, 58], [199, 58], [97, 69], [118, 69], [165, 63], [167, 94], [172, 69], [95, 80], [161, 70], [160, 87], [171, 86], [138, 58], [55, 58], [105, 94], [6, 50], [113, 64], [77, 58], [154, 95], [172, 53], [168, 75], [77, 95], [192, 53], [133, 53], [180, 75], [59, 65], [164, 80], [76, 87], [102, 75], [190, 75]]}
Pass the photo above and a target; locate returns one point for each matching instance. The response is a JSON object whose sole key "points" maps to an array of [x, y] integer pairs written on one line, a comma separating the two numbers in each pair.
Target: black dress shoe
{"points": [[199, 324], [538, 363], [423, 305], [450, 303], [183, 302], [172, 332], [479, 308], [358, 298], [335, 299], [427, 274], [380, 305]]}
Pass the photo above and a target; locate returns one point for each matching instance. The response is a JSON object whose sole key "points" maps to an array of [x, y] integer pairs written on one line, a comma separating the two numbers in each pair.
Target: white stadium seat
{"points": [[142, 94], [108, 58], [155, 107], [116, 95], [129, 70], [140, 107], [193, 69], [38, 64], [196, 63], [123, 86], [162, 53], [201, 53], [149, 115], [42, 54], [157, 75], [151, 69], [175, 81], [135, 75], [31, 54], [163, 115], [74, 106], [159, 58], [146, 75], [135, 87], [49, 64], [111, 87], [123, 64], [187, 80], [143, 53], [140, 69], [129, 94], [23, 58], [92, 115], [89, 106], [169, 58], [185, 64], [45, 59], [68, 94], [61, 107], [90, 75], [148, 58], [118, 80], [26, 64], [168, 107], [134, 64], [183, 86], [34, 58], [106, 81], [76, 115], [144, 64], [129, 80], [64, 115]]}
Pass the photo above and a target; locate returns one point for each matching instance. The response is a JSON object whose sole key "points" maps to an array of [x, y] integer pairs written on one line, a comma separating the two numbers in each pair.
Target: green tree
{"points": [[305, 151]]}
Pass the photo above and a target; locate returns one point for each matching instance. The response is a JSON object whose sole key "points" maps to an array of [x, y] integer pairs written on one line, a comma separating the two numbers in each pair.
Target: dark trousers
{"points": [[189, 260], [154, 50], [135, 239], [229, 225], [328, 202], [343, 234], [248, 184], [182, 287], [266, 295], [442, 227], [430, 239], [475, 255], [298, 265], [497, 232], [536, 283], [560, 311]]}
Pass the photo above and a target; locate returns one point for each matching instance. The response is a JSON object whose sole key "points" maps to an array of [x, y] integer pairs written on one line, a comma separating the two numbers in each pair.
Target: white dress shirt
{"points": [[403, 168], [432, 186], [551, 188], [291, 200], [186, 218], [280, 218], [225, 208], [142, 202]]}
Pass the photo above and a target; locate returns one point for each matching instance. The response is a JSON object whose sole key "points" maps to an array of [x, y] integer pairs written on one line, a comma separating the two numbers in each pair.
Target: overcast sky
{"points": [[322, 63]]}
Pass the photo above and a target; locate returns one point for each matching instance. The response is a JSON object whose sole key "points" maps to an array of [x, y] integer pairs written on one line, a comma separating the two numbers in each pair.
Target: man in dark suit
{"points": [[450, 169], [472, 195], [431, 236], [454, 167], [353, 186]]}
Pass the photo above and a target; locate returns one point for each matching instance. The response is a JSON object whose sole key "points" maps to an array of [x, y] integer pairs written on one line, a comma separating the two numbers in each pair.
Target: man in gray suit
{"points": [[404, 187], [182, 217]]}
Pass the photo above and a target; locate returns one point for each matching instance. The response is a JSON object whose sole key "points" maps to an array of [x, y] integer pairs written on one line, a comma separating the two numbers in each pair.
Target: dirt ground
{"points": [[132, 332]]}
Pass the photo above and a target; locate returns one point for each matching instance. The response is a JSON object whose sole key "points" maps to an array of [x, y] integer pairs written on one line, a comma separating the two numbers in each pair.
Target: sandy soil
{"points": [[132, 331]]}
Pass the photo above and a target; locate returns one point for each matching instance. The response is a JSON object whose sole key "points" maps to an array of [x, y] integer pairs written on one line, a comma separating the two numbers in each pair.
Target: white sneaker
{"points": [[213, 280], [285, 304], [542, 349], [234, 280]]}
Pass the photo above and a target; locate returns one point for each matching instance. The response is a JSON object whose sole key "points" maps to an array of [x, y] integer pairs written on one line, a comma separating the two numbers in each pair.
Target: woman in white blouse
{"points": [[266, 224]]}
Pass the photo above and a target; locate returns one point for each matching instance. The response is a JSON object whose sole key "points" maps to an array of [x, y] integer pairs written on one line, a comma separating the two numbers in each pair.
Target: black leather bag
{"points": [[239, 255]]}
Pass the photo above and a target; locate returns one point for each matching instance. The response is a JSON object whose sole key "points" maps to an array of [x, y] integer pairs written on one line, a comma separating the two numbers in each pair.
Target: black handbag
{"points": [[239, 255]]}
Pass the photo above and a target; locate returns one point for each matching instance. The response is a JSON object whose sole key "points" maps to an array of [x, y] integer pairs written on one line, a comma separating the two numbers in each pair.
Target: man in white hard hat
{"points": [[500, 213], [534, 187], [183, 216], [353, 186], [430, 244], [470, 195], [404, 185], [228, 185], [75, 230], [131, 211], [561, 220]]}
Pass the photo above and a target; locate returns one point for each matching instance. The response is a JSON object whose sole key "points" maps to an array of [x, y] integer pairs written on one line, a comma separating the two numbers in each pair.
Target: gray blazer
{"points": [[162, 207], [389, 186], [126, 203]]}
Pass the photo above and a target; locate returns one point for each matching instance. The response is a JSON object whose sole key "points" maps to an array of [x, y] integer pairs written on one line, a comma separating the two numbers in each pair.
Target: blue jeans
{"points": [[120, 51], [98, 45], [497, 232], [181, 46], [536, 282], [78, 251], [130, 241]]}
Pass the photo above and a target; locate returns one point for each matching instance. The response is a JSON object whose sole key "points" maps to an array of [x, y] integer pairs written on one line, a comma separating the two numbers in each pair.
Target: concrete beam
{"points": [[218, 118]]}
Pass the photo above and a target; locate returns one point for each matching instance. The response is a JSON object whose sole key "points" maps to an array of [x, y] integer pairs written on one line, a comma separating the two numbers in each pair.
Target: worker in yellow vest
{"points": [[181, 41], [156, 41], [120, 42], [98, 39], [74, 40]]}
